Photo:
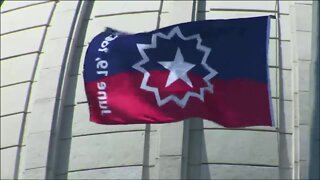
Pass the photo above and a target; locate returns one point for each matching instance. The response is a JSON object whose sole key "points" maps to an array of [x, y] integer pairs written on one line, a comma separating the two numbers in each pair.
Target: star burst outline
{"points": [[183, 101]]}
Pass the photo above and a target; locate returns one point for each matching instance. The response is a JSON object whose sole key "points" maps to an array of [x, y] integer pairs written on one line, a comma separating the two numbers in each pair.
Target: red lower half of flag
{"points": [[119, 99]]}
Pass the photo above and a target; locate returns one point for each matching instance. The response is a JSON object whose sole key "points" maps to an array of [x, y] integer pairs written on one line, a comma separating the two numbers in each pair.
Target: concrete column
{"points": [[302, 27], [174, 136]]}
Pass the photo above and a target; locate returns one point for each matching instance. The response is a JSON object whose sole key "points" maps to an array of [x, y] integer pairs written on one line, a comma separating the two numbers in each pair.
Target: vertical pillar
{"points": [[174, 136], [314, 96]]}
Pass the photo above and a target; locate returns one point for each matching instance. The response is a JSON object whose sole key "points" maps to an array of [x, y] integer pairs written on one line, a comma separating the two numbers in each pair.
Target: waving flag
{"points": [[215, 69]]}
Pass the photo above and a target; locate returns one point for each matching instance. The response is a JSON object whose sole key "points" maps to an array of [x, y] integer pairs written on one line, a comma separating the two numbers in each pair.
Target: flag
{"points": [[214, 69]]}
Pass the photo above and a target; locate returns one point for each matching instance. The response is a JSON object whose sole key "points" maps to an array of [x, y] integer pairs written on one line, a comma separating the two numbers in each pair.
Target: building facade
{"points": [[45, 128]]}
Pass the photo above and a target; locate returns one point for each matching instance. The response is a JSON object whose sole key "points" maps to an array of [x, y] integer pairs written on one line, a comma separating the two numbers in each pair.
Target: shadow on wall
{"points": [[315, 140], [315, 90], [283, 146]]}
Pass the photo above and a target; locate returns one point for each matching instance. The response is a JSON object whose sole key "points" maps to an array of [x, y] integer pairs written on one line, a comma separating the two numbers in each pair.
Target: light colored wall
{"points": [[22, 35], [301, 61], [45, 130]]}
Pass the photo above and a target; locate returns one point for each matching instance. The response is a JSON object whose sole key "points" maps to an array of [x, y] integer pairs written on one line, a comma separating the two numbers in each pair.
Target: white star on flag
{"points": [[178, 69]]}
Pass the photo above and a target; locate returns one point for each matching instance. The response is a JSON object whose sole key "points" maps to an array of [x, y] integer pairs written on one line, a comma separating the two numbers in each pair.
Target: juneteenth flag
{"points": [[214, 69]]}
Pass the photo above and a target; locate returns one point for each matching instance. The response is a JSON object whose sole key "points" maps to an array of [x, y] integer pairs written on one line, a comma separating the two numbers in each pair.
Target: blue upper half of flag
{"points": [[238, 49]]}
